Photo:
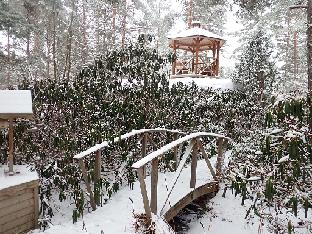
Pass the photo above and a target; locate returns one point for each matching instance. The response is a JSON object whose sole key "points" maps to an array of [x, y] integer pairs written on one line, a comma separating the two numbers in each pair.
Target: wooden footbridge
{"points": [[161, 207]]}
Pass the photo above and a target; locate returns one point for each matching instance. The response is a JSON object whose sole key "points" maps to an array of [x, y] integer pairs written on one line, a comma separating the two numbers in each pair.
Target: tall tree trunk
{"points": [[309, 45], [190, 13], [309, 59], [114, 25], [67, 65], [97, 30], [123, 27], [84, 32], [48, 43], [37, 39], [8, 58], [55, 75]]}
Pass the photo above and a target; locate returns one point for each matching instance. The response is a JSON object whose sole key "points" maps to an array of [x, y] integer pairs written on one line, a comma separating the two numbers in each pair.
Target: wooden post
{"points": [[154, 181], [193, 166], [196, 55], [144, 194], [85, 178], [219, 157], [97, 166], [11, 146], [36, 205], [144, 145], [214, 50], [175, 151], [174, 64], [218, 58], [201, 148]]}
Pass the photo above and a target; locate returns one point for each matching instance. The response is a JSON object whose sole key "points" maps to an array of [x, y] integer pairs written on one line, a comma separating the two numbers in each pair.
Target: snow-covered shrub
{"points": [[276, 163], [71, 116]]}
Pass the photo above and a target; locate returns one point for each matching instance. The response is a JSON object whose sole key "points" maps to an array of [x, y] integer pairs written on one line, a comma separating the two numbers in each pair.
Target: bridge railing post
{"points": [[194, 165], [97, 166], [85, 178], [221, 142], [201, 148], [175, 152], [143, 153], [144, 194], [154, 182]]}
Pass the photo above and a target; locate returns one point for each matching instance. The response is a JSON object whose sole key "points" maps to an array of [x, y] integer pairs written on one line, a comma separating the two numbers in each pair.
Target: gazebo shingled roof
{"points": [[185, 38]]}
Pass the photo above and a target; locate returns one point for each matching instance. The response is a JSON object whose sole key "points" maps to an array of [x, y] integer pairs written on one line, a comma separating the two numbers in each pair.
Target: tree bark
{"points": [[124, 21], [84, 32], [54, 44], [190, 13], [114, 25], [8, 58], [67, 65], [309, 46], [309, 59]]}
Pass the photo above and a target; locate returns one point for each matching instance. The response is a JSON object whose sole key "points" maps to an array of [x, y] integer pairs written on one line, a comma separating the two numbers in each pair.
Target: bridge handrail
{"points": [[173, 144], [98, 148], [195, 145], [125, 136]]}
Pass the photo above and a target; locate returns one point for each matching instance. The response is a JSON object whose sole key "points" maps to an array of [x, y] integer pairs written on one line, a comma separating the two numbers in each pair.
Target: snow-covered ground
{"points": [[228, 216], [117, 216], [214, 83]]}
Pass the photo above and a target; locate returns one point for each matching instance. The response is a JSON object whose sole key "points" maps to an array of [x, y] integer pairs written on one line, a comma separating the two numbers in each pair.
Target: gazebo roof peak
{"points": [[196, 31]]}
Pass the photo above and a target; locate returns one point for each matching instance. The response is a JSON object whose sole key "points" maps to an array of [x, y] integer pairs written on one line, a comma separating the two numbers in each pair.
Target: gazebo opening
{"points": [[197, 52]]}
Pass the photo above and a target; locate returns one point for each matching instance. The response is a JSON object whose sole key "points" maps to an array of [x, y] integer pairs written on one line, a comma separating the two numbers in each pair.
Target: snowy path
{"points": [[117, 215]]}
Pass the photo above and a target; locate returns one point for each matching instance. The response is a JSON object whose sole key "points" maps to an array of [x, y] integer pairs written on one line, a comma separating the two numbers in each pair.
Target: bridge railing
{"points": [[144, 136], [195, 145]]}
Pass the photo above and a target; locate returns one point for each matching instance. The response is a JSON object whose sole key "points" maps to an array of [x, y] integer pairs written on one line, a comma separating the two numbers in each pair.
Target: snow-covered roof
{"points": [[185, 38], [15, 104]]}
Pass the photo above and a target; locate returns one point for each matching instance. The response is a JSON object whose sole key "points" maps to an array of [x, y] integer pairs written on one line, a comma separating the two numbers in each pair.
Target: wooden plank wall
{"points": [[19, 208]]}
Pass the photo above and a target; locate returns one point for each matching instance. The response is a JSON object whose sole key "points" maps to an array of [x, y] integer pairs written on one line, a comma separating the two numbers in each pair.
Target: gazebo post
{"points": [[196, 55], [175, 56], [11, 139], [214, 61], [218, 57], [214, 50], [192, 68]]}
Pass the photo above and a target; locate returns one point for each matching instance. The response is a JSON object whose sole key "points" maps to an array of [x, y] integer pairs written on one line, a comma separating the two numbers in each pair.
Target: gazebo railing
{"points": [[186, 65]]}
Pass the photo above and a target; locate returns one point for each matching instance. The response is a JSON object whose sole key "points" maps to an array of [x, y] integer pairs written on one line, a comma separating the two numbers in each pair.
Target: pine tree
{"points": [[256, 72]]}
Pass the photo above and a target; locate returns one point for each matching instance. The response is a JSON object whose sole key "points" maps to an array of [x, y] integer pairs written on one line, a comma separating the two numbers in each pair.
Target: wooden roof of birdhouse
{"points": [[185, 39], [15, 104]]}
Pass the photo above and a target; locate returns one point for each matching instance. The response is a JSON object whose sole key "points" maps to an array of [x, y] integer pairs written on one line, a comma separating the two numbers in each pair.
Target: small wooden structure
{"points": [[201, 55], [19, 203], [18, 186]]}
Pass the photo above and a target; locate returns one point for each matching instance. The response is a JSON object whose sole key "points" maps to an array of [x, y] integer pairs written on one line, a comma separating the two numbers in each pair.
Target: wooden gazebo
{"points": [[201, 54]]}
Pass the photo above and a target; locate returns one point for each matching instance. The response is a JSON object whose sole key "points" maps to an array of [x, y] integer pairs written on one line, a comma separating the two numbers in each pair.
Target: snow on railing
{"points": [[144, 138], [123, 137]]}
